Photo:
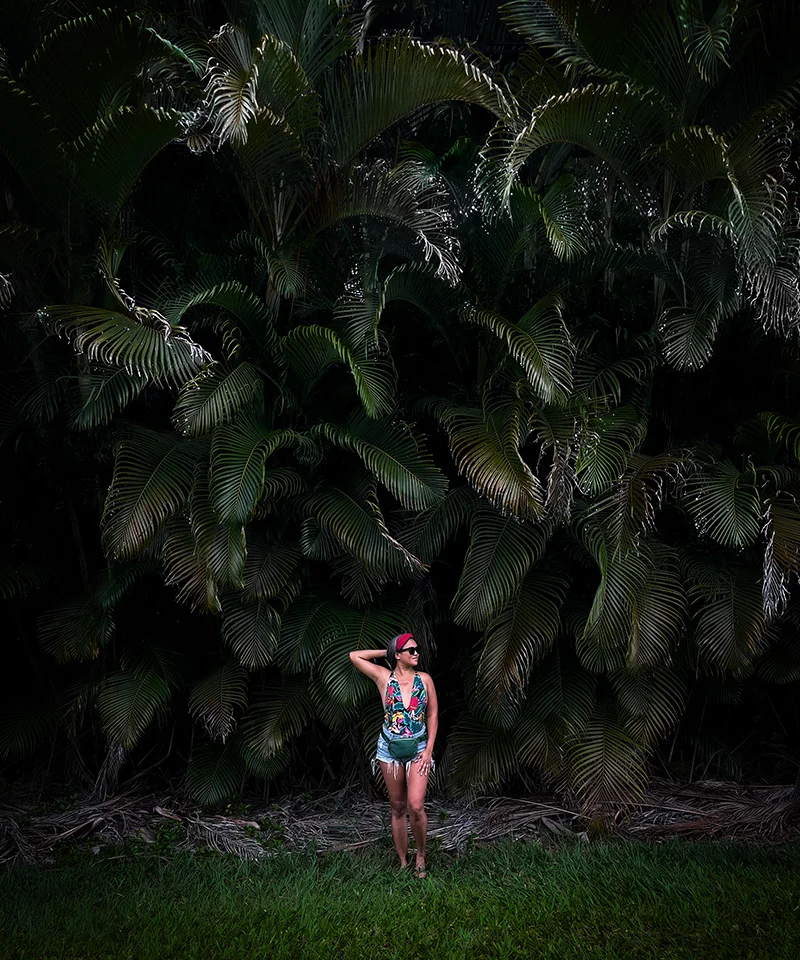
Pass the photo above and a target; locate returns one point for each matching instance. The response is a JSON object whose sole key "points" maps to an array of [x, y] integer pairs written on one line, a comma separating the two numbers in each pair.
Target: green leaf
{"points": [[650, 702], [143, 344], [129, 701], [396, 78], [523, 632], [215, 396], [540, 343], [214, 700], [359, 526], [108, 391], [269, 566], [729, 625], [606, 441], [153, 474], [238, 453], [307, 627], [725, 504], [501, 552], [251, 630], [282, 711], [605, 763], [485, 444], [215, 772], [394, 455]]}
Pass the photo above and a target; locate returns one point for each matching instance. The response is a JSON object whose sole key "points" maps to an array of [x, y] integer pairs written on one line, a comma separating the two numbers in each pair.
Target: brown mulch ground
{"points": [[347, 820]]}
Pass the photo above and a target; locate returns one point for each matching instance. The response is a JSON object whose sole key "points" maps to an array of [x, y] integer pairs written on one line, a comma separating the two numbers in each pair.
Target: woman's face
{"points": [[409, 654]]}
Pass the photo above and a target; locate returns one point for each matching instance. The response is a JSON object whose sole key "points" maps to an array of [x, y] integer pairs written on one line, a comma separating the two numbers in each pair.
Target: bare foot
{"points": [[420, 872]]}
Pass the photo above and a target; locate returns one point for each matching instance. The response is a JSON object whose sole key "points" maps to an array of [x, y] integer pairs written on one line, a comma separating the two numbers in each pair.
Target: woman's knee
{"points": [[416, 809], [398, 808]]}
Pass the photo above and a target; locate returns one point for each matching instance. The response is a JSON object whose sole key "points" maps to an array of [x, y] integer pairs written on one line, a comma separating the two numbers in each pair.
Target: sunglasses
{"points": [[408, 650]]}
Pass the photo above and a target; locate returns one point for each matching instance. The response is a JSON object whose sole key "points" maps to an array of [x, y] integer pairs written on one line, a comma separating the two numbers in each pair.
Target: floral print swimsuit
{"points": [[402, 721]]}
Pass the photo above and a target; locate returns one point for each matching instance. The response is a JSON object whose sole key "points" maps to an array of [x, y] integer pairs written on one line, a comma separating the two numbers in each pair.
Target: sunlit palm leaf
{"points": [[395, 456], [539, 342], [523, 632], [215, 396], [501, 552], [485, 446], [144, 345], [153, 474], [725, 504], [396, 78]]}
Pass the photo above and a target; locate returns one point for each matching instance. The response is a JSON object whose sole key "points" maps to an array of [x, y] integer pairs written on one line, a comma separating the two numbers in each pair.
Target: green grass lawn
{"points": [[610, 900]]}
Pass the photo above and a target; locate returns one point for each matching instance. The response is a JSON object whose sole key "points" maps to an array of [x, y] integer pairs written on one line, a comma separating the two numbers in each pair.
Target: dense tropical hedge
{"points": [[319, 326]]}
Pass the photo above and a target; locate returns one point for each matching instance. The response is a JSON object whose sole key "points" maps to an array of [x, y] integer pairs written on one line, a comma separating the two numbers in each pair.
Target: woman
{"points": [[411, 713]]}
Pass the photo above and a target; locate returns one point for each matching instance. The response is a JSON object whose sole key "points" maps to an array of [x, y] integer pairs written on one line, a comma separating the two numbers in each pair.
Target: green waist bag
{"points": [[403, 749]]}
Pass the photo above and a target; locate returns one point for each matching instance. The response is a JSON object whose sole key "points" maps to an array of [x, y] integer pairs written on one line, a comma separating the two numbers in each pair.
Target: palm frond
{"points": [[281, 711], [483, 757], [23, 579], [724, 503], [361, 530], [215, 396], [24, 726], [269, 565], [428, 531], [214, 700], [311, 349], [339, 690], [108, 391], [142, 343], [396, 78], [153, 475], [615, 121], [307, 627], [129, 701], [485, 445], [394, 455], [501, 552], [215, 772], [539, 342], [239, 451], [186, 567], [605, 763], [121, 45], [606, 442], [729, 624], [650, 702], [251, 630], [232, 83], [565, 214], [523, 632]]}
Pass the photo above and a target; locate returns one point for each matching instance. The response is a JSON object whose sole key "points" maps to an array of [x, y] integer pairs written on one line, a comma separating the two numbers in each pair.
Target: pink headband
{"points": [[403, 639]]}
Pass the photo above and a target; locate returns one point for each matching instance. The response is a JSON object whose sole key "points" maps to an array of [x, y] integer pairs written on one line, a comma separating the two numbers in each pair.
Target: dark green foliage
{"points": [[315, 335]]}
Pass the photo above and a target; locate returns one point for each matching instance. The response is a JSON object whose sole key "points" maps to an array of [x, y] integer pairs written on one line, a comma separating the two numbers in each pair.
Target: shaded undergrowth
{"points": [[511, 899]]}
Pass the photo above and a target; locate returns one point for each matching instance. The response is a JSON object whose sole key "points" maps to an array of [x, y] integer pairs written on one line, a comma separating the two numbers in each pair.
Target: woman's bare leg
{"points": [[396, 785], [416, 787]]}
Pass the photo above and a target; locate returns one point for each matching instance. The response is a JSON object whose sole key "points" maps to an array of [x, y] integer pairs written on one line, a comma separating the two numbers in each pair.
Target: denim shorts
{"points": [[382, 754]]}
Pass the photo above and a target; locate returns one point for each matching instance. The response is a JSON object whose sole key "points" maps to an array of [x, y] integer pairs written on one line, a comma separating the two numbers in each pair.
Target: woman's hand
{"points": [[424, 761]]}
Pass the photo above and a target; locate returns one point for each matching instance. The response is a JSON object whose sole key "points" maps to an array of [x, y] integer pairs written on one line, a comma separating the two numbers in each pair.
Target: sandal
{"points": [[420, 873]]}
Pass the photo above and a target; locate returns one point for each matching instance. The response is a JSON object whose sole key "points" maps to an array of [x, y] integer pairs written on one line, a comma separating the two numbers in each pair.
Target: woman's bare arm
{"points": [[432, 717], [362, 660]]}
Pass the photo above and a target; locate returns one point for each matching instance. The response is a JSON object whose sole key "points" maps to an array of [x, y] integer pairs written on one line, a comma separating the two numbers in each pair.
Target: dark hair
{"points": [[391, 650]]}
